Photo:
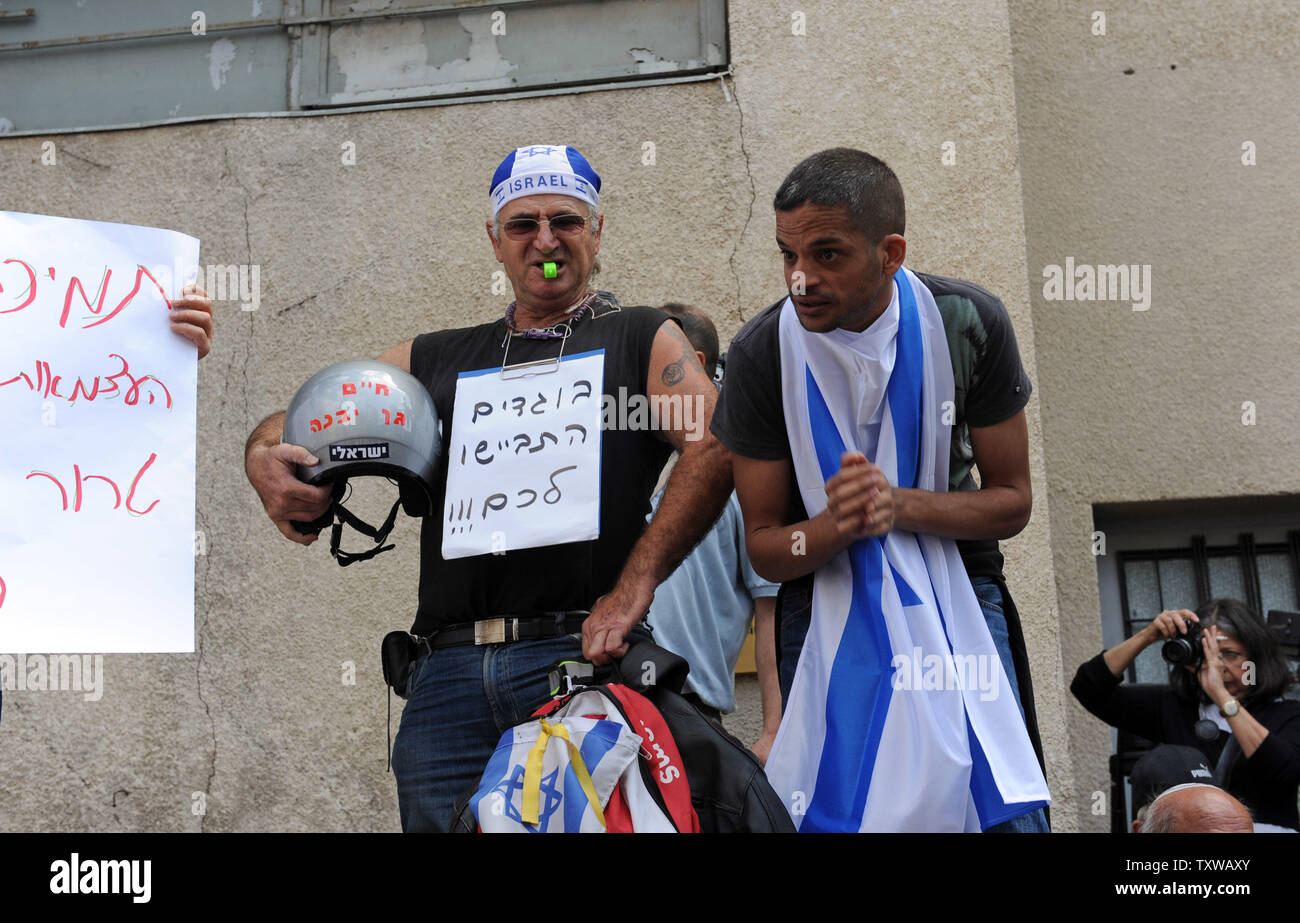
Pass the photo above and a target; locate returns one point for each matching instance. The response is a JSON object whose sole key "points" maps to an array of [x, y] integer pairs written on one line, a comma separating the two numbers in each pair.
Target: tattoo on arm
{"points": [[674, 373]]}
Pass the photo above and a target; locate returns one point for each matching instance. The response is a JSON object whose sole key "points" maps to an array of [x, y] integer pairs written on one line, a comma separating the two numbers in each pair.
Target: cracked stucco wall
{"points": [[354, 259], [1131, 147]]}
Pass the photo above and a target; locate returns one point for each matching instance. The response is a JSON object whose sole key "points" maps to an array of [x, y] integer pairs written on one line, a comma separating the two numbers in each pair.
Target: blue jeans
{"points": [[990, 596], [796, 614], [460, 700]]}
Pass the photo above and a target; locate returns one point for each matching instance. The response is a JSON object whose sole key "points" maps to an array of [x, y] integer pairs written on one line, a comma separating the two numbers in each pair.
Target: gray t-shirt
{"points": [[991, 386]]}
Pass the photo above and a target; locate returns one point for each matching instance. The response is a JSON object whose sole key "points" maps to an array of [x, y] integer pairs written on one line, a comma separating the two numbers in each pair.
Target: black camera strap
{"points": [[1227, 761]]}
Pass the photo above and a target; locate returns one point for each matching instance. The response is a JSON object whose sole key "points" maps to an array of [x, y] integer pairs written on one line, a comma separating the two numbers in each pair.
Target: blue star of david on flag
{"points": [[548, 803]]}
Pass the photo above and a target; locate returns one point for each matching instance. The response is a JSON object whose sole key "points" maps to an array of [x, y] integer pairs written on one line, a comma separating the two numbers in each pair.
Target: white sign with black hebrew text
{"points": [[524, 459]]}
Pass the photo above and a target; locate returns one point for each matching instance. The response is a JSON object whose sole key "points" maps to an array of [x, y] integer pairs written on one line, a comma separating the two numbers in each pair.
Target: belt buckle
{"points": [[490, 631]]}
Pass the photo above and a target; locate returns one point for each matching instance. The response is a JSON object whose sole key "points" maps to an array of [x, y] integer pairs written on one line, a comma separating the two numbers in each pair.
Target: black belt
{"points": [[508, 628]]}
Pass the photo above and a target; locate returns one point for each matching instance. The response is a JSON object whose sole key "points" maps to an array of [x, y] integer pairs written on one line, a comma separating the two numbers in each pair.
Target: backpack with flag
{"points": [[622, 752]]}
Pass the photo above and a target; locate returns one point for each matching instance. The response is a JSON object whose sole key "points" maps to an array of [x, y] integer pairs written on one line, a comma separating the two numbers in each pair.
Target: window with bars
{"points": [[1265, 576]]}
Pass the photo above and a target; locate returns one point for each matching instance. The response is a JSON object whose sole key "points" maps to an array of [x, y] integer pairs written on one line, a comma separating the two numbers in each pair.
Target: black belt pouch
{"points": [[398, 651]]}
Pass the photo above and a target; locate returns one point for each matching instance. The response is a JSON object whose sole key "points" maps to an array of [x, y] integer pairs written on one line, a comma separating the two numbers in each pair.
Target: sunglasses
{"points": [[524, 228]]}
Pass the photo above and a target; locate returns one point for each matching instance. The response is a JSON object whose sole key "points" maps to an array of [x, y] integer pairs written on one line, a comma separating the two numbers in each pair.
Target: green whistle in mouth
{"points": [[548, 270]]}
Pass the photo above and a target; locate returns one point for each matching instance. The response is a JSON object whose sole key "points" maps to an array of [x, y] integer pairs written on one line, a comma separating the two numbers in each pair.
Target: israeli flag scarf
{"points": [[901, 717]]}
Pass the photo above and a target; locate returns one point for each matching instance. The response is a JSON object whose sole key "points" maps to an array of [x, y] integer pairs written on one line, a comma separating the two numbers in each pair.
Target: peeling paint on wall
{"points": [[295, 88], [377, 58], [220, 57], [647, 62], [370, 7]]}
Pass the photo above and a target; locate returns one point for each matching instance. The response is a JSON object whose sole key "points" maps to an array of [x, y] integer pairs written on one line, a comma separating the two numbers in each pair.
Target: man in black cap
{"points": [[1164, 768]]}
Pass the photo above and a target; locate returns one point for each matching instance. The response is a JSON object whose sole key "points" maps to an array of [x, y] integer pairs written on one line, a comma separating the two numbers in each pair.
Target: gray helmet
{"points": [[365, 417]]}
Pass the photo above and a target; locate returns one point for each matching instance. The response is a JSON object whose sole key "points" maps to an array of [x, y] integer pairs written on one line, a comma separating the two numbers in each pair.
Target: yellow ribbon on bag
{"points": [[533, 774]]}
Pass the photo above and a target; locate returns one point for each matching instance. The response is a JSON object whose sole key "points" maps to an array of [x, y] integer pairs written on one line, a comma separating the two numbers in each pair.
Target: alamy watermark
{"points": [[637, 412], [917, 672], [1106, 282], [54, 673], [241, 282], [75, 875]]}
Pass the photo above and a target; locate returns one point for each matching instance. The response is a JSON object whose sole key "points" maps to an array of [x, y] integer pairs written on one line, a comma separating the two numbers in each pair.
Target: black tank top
{"points": [[557, 577]]}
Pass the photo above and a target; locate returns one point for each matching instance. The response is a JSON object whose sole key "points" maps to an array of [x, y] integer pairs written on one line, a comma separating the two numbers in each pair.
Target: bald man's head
{"points": [[1197, 808]]}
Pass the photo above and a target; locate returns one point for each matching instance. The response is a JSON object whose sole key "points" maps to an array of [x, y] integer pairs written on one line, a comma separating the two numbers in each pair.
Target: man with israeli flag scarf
{"points": [[900, 716]]}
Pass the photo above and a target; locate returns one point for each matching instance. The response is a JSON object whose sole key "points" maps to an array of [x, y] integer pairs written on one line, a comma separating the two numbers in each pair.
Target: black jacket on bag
{"points": [[729, 790], [1266, 782]]}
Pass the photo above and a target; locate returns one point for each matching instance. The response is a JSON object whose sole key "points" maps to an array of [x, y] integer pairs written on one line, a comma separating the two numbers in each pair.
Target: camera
{"points": [[1185, 650]]}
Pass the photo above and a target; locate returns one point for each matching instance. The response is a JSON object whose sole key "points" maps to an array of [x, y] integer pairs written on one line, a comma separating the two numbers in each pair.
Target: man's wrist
{"points": [[904, 504], [639, 587], [839, 540], [251, 449], [266, 434], [248, 457]]}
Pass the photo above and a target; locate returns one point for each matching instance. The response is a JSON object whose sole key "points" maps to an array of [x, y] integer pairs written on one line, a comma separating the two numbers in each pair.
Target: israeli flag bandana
{"points": [[541, 169], [901, 717]]}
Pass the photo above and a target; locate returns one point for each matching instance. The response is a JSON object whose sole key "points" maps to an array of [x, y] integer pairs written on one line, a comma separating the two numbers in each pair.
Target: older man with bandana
{"points": [[470, 684]]}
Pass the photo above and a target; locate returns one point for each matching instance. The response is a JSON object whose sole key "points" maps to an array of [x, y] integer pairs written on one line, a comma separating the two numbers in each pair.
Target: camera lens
{"points": [[1177, 651], [1184, 651]]}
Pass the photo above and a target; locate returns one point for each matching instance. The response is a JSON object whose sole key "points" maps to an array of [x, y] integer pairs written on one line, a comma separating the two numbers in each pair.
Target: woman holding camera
{"points": [[1224, 699]]}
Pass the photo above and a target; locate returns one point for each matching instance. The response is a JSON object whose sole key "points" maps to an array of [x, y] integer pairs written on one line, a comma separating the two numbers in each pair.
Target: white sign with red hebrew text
{"points": [[97, 434]]}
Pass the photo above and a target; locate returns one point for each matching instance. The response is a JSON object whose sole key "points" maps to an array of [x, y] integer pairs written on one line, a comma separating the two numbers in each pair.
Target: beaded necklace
{"points": [[553, 332]]}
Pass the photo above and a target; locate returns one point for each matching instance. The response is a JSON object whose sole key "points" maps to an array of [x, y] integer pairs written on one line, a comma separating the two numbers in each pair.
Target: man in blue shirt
{"points": [[702, 612]]}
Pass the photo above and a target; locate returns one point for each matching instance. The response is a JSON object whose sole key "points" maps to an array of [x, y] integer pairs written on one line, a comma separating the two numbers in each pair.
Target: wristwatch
{"points": [[1230, 708]]}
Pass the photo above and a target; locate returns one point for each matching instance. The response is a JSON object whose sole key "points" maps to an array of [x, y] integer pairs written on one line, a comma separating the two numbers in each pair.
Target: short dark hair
{"points": [[855, 179], [699, 330], [1272, 674]]}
